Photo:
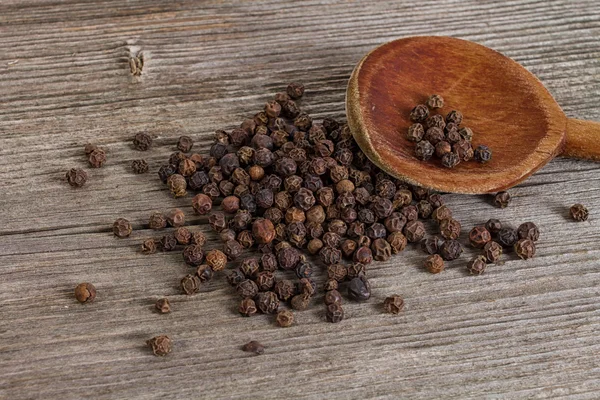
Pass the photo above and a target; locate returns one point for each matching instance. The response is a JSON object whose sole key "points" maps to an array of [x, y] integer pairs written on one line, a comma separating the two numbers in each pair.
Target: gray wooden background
{"points": [[523, 330]]}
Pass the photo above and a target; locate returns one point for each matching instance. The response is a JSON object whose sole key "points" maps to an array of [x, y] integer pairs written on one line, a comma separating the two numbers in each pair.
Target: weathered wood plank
{"points": [[523, 330]]}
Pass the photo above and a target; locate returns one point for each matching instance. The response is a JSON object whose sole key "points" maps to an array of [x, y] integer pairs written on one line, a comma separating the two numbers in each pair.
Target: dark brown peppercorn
{"points": [[254, 347], [216, 259], [186, 167], [450, 228], [168, 242], [393, 304], [382, 251], [204, 273], [479, 237], [232, 249], [442, 148], [482, 154], [182, 235], [193, 255], [163, 306], [122, 228], [330, 255], [337, 272], [441, 213], [235, 277], [288, 258], [363, 255], [295, 90], [284, 289], [492, 251], [185, 144], [493, 225], [525, 249], [507, 237], [160, 345], [217, 221], [331, 284], [579, 212], [419, 113], [463, 149], [402, 197], [247, 307], [348, 247], [89, 148], [450, 250], [303, 269], [268, 262], [434, 264], [76, 177], [466, 133], [455, 117], [246, 239], [334, 313], [432, 244], [477, 265], [250, 267], [332, 297], [85, 292], [424, 209], [198, 238], [142, 141], [177, 185], [359, 289], [139, 166], [434, 135], [331, 239], [424, 150], [176, 218], [435, 120], [267, 302], [383, 208], [528, 230], [148, 246], [265, 281], [416, 132], [97, 158], [450, 160], [314, 246], [502, 199], [190, 284], [414, 231], [247, 288]]}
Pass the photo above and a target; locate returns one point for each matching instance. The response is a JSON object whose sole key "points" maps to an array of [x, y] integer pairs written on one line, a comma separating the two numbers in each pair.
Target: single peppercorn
{"points": [[528, 230], [363, 255], [254, 347], [163, 306], [455, 117], [190, 284], [168, 242], [139, 166], [492, 251], [205, 273], [431, 245], [177, 185], [482, 154], [359, 289], [185, 144], [424, 150], [176, 218], [217, 221], [122, 228], [450, 250], [247, 288], [502, 199], [414, 231], [160, 345], [525, 248], [142, 141], [441, 213], [507, 237], [193, 255], [493, 225], [393, 304], [450, 160], [419, 113], [76, 177], [182, 235], [334, 313], [216, 259], [284, 318], [85, 292], [382, 251], [295, 90], [97, 158], [441, 149], [435, 101], [434, 264], [267, 302], [450, 228], [148, 246], [247, 307], [477, 265], [579, 212], [479, 237], [415, 132], [263, 231]]}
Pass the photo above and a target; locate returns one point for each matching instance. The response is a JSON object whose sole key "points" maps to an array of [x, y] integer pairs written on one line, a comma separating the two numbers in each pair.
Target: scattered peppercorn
{"points": [[525, 248], [185, 144], [435, 101], [477, 265], [393, 304], [85, 292], [97, 158], [142, 141], [139, 166], [285, 318], [492, 251], [160, 345], [359, 289], [479, 237], [122, 228], [163, 306], [247, 307], [502, 199], [190, 284], [434, 264], [528, 230], [579, 212], [148, 246], [254, 347], [76, 177]]}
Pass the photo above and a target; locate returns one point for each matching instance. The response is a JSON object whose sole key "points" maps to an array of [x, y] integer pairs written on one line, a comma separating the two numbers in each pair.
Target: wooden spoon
{"points": [[506, 106]]}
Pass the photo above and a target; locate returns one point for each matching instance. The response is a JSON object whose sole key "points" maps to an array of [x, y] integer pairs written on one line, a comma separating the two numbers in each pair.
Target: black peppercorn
{"points": [[450, 250], [419, 113], [359, 289], [502, 199], [579, 212], [507, 237], [76, 177]]}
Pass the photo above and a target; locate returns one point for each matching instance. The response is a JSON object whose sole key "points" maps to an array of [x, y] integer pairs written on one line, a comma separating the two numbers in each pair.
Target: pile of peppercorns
{"points": [[290, 188], [443, 137]]}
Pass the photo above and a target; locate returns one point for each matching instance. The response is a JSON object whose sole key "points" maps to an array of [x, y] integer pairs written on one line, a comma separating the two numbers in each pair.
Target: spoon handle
{"points": [[583, 139]]}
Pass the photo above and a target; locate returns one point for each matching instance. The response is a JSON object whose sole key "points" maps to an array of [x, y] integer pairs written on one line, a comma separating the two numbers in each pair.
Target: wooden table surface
{"points": [[522, 330]]}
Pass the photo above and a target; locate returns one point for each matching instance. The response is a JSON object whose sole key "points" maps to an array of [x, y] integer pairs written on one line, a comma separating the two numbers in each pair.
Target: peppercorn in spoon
{"points": [[506, 106]]}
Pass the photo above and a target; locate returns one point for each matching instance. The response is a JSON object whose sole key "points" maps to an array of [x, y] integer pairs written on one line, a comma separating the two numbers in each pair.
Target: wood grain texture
{"points": [[523, 330]]}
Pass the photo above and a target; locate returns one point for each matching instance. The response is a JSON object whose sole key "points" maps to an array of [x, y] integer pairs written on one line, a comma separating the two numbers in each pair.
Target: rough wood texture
{"points": [[523, 330]]}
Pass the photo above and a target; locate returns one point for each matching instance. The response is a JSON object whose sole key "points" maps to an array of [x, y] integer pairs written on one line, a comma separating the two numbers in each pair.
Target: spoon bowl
{"points": [[505, 105]]}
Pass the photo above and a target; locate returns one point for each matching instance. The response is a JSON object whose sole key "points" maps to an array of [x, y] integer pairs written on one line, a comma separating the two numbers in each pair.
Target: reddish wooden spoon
{"points": [[507, 107]]}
